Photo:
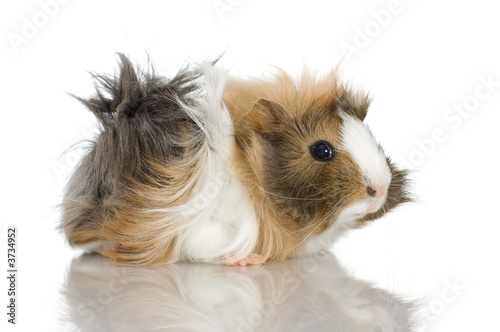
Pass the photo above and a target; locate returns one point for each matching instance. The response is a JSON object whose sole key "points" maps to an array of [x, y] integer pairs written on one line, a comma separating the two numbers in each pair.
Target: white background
{"points": [[420, 60]]}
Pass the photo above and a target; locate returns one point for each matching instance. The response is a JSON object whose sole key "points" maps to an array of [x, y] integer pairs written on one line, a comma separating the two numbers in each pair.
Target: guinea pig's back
{"points": [[141, 164]]}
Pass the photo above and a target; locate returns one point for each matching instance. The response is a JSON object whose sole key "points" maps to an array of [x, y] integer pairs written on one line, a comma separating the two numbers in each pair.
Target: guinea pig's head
{"points": [[314, 158]]}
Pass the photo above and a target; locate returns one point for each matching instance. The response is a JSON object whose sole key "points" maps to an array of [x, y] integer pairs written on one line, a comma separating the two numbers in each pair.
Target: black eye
{"points": [[322, 151]]}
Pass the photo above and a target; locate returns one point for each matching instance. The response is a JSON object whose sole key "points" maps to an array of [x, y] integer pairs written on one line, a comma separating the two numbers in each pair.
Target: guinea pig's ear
{"points": [[265, 115], [355, 103]]}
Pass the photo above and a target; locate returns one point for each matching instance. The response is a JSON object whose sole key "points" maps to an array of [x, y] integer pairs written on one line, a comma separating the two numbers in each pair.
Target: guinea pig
{"points": [[206, 167]]}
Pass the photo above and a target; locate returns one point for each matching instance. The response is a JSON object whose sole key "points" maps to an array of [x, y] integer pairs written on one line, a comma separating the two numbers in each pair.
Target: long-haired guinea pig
{"points": [[206, 167]]}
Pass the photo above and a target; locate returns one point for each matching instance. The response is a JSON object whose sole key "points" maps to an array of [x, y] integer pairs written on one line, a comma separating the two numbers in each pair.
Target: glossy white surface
{"points": [[433, 70], [307, 294]]}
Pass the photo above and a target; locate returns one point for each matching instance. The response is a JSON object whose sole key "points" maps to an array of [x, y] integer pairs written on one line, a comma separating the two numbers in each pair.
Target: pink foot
{"points": [[252, 259]]}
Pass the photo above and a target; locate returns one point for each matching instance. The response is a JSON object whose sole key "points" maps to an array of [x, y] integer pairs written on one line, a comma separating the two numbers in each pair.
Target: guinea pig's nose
{"points": [[375, 190]]}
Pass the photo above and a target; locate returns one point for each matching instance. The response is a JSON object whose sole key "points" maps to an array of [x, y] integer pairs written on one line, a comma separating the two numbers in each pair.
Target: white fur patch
{"points": [[358, 140], [221, 221], [223, 225]]}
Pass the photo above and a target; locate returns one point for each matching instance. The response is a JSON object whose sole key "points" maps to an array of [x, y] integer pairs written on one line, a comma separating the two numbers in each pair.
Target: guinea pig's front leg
{"points": [[252, 259], [220, 242]]}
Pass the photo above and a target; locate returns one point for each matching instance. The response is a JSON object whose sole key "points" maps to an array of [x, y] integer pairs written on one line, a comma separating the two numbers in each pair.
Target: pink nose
{"points": [[376, 190]]}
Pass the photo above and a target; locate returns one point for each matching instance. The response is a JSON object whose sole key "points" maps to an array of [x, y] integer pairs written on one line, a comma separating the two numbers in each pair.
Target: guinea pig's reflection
{"points": [[304, 294]]}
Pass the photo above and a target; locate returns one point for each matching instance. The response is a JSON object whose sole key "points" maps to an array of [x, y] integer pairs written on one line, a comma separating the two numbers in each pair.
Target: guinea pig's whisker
{"points": [[291, 198]]}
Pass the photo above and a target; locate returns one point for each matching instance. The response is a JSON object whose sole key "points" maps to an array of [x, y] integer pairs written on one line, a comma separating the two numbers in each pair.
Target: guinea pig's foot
{"points": [[252, 259]]}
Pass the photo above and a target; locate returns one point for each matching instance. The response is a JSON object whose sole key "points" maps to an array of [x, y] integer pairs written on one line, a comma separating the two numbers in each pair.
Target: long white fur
{"points": [[221, 225], [358, 140]]}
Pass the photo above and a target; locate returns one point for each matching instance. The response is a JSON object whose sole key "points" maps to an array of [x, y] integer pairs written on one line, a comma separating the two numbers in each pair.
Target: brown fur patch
{"points": [[295, 96]]}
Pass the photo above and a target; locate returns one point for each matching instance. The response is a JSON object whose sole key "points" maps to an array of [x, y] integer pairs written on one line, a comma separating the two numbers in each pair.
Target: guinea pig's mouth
{"points": [[375, 206], [368, 209], [376, 209]]}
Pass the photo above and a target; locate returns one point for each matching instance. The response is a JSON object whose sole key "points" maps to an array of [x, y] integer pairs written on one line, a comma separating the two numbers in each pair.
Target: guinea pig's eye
{"points": [[322, 151]]}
